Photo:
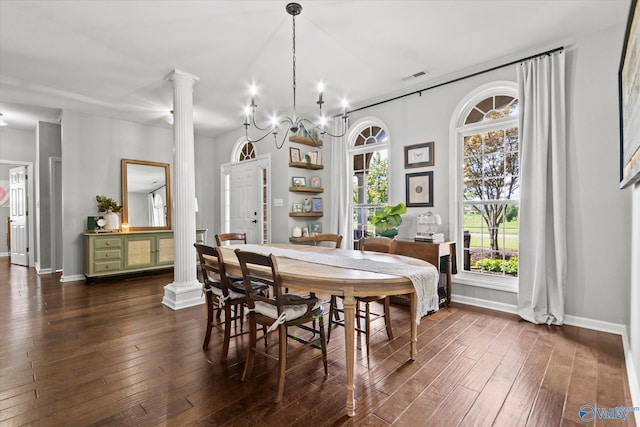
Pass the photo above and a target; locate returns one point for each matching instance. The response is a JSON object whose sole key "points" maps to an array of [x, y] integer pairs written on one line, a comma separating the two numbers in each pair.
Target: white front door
{"points": [[18, 215], [246, 200]]}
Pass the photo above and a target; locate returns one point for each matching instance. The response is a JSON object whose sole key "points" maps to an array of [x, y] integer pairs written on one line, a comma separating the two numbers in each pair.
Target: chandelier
{"points": [[293, 123]]}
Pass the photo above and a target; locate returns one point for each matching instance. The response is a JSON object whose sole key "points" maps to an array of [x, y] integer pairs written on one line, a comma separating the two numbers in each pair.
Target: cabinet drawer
{"points": [[108, 254], [107, 266], [108, 243]]}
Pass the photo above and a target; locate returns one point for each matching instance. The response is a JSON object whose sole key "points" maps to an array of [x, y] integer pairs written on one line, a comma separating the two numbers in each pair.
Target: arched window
{"points": [[487, 192], [370, 171]]}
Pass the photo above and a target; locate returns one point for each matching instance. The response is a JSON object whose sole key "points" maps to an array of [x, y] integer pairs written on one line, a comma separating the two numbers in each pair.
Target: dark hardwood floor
{"points": [[111, 354]]}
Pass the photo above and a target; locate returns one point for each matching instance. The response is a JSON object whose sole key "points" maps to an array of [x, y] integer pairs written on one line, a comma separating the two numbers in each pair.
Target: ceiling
{"points": [[112, 57]]}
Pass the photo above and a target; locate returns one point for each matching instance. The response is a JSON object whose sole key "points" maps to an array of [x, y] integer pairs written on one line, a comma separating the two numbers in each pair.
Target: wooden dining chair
{"points": [[372, 244], [327, 237], [231, 237], [278, 312], [220, 295]]}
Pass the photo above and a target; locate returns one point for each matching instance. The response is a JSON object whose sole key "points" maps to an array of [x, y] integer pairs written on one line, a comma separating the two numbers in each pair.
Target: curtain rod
{"points": [[419, 92]]}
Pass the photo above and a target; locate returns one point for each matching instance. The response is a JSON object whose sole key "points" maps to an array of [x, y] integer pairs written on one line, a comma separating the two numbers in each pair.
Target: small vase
{"points": [[112, 220], [306, 205]]}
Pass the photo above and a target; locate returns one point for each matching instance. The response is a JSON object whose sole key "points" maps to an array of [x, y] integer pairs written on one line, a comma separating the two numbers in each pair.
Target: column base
{"points": [[183, 295]]}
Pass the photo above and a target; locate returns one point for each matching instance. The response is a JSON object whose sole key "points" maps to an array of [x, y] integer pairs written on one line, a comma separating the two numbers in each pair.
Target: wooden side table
{"points": [[441, 255]]}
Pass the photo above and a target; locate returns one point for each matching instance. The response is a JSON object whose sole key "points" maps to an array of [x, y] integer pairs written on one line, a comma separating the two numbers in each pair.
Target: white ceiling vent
{"points": [[417, 75]]}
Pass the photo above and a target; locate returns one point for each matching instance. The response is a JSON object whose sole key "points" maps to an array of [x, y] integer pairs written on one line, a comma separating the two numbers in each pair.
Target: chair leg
{"points": [[332, 303], [323, 344], [248, 365], [207, 335], [282, 358], [387, 318], [367, 326], [227, 331]]}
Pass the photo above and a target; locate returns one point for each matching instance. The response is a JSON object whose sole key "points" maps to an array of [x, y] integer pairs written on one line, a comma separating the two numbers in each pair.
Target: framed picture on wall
{"points": [[419, 189], [294, 155], [315, 227], [629, 102], [419, 155], [298, 181]]}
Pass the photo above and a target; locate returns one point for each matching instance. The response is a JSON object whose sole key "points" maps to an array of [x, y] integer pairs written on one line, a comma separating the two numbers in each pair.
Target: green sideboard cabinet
{"points": [[108, 254]]}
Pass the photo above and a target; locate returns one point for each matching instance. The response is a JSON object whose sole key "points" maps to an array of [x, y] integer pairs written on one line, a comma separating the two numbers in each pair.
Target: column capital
{"points": [[178, 75]]}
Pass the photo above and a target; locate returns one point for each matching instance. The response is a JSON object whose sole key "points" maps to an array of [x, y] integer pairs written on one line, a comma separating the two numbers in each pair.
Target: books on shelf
{"points": [[430, 237], [315, 157]]}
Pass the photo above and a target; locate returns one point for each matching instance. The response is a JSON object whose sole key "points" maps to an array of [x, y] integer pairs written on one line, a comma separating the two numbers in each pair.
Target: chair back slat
{"points": [[378, 244], [231, 237], [212, 267], [328, 237]]}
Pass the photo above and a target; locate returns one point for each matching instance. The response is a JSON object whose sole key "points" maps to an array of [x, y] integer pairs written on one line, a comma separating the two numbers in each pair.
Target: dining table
{"points": [[322, 270]]}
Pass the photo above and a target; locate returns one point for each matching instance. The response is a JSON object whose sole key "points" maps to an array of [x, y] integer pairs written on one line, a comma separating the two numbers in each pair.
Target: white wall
{"points": [[92, 147], [599, 214], [634, 321], [15, 146]]}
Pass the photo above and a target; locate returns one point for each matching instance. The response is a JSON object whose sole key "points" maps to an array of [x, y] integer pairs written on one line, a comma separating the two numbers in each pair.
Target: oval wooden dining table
{"points": [[348, 283]]}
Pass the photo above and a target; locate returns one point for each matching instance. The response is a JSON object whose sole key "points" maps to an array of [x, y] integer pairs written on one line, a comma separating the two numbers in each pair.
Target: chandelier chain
{"points": [[294, 67]]}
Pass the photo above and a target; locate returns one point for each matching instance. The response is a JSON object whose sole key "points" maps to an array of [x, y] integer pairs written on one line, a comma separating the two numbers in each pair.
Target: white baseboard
{"points": [[42, 270], [477, 302], [582, 322], [74, 278], [4, 254]]}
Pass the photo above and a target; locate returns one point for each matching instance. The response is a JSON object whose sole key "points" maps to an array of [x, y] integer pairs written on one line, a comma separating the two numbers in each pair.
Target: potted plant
{"points": [[387, 219], [106, 203]]}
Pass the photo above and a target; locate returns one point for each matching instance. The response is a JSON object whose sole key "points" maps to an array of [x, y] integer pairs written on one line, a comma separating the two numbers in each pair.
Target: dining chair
{"points": [[220, 295], [231, 237], [327, 237], [372, 244], [278, 312]]}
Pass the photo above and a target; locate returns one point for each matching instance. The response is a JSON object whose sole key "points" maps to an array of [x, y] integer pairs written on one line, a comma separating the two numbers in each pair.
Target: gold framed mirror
{"points": [[146, 195]]}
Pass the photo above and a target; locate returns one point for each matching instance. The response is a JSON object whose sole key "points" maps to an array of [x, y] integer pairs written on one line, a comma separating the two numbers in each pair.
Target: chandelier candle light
{"points": [[294, 123]]}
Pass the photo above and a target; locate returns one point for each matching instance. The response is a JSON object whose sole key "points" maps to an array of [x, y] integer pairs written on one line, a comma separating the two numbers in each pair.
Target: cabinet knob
{"points": [[107, 244], [108, 255], [108, 266]]}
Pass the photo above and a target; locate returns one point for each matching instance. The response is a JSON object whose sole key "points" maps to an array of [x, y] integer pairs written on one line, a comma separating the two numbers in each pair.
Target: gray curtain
{"points": [[542, 253]]}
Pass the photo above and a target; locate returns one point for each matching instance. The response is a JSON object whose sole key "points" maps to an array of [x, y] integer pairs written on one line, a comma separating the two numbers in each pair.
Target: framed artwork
{"points": [[316, 204], [4, 193], [305, 231], [629, 100], [298, 181], [315, 227], [294, 155], [296, 207], [419, 187], [419, 155], [315, 182]]}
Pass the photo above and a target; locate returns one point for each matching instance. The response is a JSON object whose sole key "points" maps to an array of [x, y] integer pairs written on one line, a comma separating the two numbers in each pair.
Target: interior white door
{"points": [[246, 200], [18, 215]]}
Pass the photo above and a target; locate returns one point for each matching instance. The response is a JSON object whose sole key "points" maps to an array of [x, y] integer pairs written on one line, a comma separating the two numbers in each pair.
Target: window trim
{"points": [[457, 132], [353, 149]]}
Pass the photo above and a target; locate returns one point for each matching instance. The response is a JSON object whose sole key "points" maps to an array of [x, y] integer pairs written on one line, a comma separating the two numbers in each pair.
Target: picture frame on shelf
{"points": [[298, 181], [316, 204], [296, 207], [294, 155], [305, 231], [419, 189], [315, 182], [315, 227], [419, 155]]}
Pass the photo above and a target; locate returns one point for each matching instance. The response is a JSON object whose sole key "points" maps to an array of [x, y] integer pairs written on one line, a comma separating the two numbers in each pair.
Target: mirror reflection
{"points": [[146, 195]]}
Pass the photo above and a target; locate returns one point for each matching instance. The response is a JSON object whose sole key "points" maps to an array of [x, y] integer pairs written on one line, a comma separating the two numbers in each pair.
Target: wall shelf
{"points": [[304, 165], [309, 239], [305, 214], [306, 141], [305, 190]]}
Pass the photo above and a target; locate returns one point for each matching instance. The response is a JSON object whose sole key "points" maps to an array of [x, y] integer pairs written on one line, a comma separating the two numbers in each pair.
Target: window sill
{"points": [[499, 283]]}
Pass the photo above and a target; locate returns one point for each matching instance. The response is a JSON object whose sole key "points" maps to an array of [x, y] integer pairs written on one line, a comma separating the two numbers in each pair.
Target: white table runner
{"points": [[424, 278]]}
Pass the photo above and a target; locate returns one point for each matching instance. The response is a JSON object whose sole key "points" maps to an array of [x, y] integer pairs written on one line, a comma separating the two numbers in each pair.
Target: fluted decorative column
{"points": [[185, 291]]}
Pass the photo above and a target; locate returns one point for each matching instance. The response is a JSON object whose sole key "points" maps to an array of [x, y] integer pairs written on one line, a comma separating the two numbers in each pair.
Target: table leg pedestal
{"points": [[349, 335]]}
